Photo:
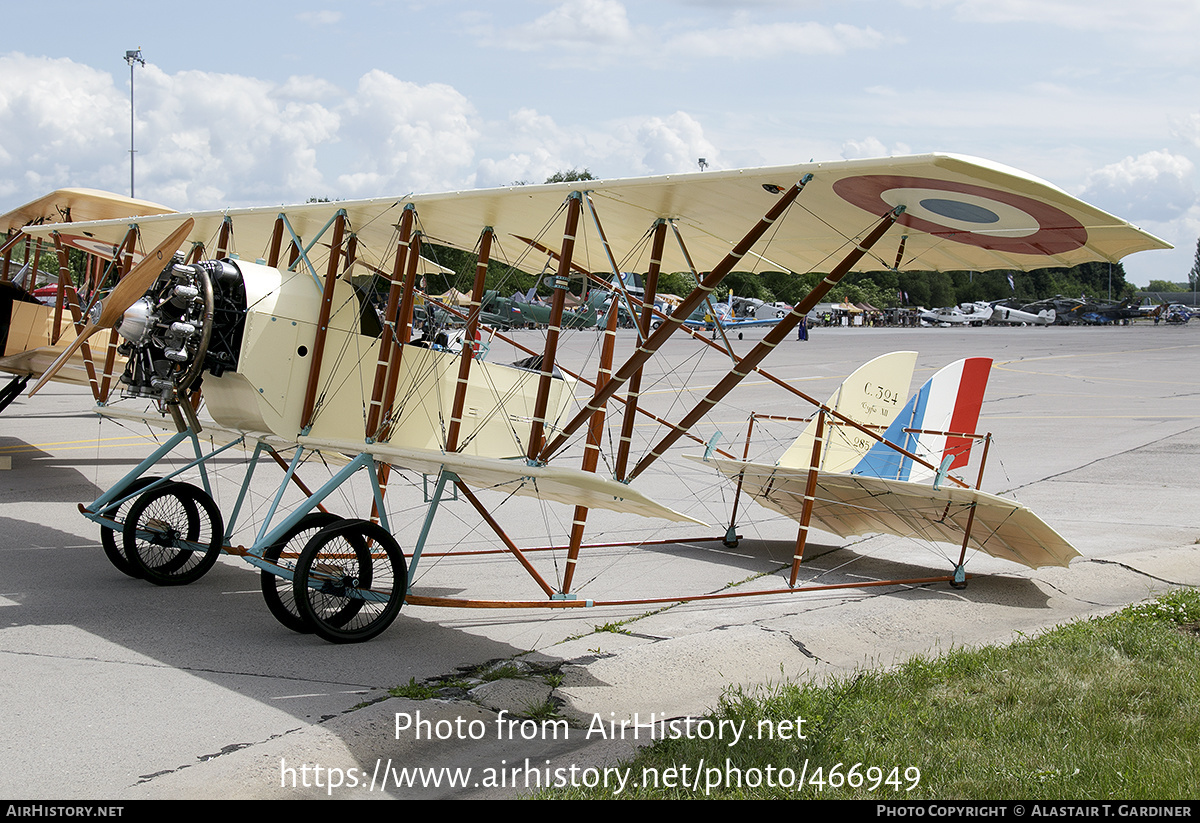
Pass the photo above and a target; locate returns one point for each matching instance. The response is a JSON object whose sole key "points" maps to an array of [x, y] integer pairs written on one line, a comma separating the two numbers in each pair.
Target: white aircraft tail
{"points": [[872, 396], [948, 402]]}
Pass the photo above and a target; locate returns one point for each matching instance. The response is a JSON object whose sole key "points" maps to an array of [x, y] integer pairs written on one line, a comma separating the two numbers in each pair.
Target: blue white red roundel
{"points": [[992, 219]]}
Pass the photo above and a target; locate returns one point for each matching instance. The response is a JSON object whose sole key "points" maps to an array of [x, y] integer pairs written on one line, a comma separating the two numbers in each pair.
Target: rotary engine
{"points": [[191, 320]]}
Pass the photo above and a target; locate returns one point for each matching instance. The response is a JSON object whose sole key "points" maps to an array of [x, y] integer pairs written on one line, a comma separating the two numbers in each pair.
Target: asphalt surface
{"points": [[117, 689]]}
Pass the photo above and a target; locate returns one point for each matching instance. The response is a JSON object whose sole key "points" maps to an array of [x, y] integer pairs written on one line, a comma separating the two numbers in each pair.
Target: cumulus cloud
{"points": [[56, 116], [317, 19], [603, 28], [212, 138], [535, 147], [755, 41], [663, 145], [871, 147], [575, 23], [1155, 186], [1188, 129], [408, 136], [207, 140], [1095, 15]]}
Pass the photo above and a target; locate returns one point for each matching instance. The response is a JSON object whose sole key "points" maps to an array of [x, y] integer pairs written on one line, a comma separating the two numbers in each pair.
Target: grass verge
{"points": [[1095, 709]]}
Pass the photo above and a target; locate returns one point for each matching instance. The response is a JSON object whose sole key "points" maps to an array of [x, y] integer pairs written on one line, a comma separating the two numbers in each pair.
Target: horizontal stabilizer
{"points": [[849, 505]]}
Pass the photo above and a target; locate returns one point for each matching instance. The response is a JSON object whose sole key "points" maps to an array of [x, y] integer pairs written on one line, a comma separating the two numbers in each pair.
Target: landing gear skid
{"points": [[13, 390]]}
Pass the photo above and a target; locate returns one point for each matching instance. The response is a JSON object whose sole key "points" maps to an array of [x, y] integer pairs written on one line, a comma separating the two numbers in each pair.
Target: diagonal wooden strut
{"points": [[468, 346], [318, 352], [387, 338], [591, 449], [702, 338], [650, 289], [537, 427], [644, 352], [745, 365]]}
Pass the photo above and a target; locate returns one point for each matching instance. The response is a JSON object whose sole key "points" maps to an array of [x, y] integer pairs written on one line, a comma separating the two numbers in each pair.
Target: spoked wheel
{"points": [[173, 534], [277, 591], [350, 581], [114, 551]]}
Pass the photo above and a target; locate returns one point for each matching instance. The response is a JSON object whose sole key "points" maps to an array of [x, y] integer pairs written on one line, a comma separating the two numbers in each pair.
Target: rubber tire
{"points": [[175, 557], [112, 550], [277, 591], [350, 554]]}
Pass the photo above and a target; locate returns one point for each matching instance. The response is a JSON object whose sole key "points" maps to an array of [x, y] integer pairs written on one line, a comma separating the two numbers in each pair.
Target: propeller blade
{"points": [[125, 294], [62, 359], [141, 277]]}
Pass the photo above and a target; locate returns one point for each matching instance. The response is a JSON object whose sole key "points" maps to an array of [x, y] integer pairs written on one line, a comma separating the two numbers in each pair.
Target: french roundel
{"points": [[992, 219], [91, 245]]}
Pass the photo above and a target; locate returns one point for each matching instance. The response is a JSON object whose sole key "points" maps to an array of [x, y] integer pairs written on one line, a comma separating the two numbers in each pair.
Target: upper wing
{"points": [[77, 205], [960, 214]]}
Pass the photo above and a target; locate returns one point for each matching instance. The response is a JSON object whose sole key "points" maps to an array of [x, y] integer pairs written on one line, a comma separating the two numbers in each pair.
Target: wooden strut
{"points": [[37, 260], [460, 603], [669, 541], [468, 347], [276, 243], [538, 424], [645, 351], [224, 235], [318, 352], [810, 493], [746, 364], [962, 555], [60, 291], [403, 334], [591, 448], [838, 418], [509, 544], [397, 330], [76, 316], [574, 376], [387, 338], [10, 243], [649, 291], [110, 354]]}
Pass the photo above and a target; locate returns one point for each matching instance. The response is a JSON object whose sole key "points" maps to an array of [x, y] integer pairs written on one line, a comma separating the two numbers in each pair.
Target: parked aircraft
{"points": [[37, 329], [277, 335]]}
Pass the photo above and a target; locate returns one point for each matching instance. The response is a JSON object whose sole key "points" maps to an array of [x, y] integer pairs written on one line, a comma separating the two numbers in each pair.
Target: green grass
{"points": [[1096, 709], [413, 690]]}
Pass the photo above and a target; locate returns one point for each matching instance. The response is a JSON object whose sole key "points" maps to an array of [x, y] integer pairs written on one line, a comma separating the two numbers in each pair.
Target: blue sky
{"points": [[264, 102]]}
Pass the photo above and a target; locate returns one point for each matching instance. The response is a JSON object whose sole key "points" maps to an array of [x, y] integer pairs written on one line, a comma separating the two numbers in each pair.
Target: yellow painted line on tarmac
{"points": [[68, 445], [1099, 377], [1011, 365]]}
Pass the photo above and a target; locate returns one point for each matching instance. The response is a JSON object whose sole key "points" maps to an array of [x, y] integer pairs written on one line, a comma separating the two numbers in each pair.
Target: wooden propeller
{"points": [[125, 294]]}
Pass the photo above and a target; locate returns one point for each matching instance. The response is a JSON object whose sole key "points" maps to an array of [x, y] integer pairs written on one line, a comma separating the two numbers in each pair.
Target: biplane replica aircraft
{"points": [[33, 335], [244, 333]]}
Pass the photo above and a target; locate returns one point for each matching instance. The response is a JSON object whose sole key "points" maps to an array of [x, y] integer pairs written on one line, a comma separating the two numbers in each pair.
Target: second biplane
{"points": [[33, 335], [279, 340]]}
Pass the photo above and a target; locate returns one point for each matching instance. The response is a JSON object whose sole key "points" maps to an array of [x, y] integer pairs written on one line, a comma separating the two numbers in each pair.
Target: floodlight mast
{"points": [[132, 57]]}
